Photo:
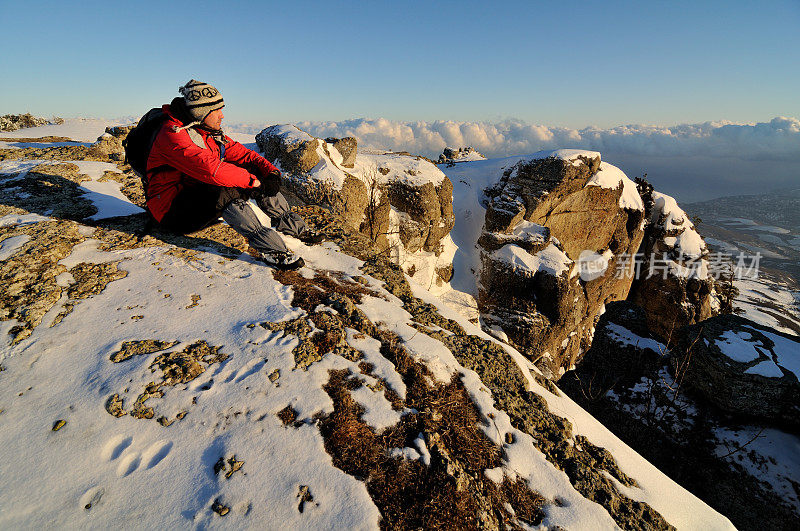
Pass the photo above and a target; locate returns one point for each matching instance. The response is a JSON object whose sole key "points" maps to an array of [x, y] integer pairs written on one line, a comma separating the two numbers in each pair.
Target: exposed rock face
{"points": [[626, 381], [347, 147], [404, 204], [674, 285], [109, 145], [742, 367], [12, 122], [429, 212], [451, 155], [558, 230], [295, 150]]}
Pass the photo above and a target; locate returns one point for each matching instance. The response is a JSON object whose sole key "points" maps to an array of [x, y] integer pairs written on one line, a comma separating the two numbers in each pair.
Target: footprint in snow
{"points": [[156, 453], [129, 464], [132, 460], [115, 446]]}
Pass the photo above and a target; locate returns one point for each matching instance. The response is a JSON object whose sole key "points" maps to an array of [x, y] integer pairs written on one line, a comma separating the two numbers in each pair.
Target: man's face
{"points": [[214, 119]]}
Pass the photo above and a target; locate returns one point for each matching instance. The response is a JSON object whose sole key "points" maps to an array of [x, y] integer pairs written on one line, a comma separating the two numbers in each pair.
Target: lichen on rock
{"points": [[177, 367]]}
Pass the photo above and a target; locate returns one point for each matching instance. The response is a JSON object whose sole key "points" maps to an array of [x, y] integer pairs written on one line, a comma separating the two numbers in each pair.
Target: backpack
{"points": [[140, 140]]}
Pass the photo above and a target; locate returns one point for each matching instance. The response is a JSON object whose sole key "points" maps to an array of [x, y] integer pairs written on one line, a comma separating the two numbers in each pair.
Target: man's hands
{"points": [[271, 183]]}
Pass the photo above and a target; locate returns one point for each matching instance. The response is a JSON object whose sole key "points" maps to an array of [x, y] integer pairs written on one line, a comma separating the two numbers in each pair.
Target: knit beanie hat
{"points": [[201, 98]]}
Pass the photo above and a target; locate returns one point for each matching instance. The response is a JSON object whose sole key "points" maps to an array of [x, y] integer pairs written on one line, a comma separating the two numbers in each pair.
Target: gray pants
{"points": [[283, 219], [240, 215]]}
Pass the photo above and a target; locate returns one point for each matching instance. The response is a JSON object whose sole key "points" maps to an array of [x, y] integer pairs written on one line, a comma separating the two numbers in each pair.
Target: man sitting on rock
{"points": [[196, 175]]}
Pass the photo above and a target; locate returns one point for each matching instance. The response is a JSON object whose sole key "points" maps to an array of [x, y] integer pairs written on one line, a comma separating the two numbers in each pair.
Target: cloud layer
{"points": [[777, 139]]}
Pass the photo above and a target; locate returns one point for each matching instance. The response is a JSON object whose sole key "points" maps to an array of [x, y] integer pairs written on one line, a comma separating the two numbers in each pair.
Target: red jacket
{"points": [[190, 163]]}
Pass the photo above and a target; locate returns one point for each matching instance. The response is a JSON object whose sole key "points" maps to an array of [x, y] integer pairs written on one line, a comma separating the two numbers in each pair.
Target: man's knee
{"points": [[228, 195]]}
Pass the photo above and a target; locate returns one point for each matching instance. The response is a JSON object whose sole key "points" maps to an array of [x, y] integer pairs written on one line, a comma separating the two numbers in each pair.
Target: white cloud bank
{"points": [[777, 139]]}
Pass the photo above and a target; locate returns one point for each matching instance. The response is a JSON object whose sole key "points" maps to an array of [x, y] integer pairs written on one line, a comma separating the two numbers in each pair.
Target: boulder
{"points": [[347, 147], [119, 131], [428, 209], [559, 231], [109, 144], [673, 284], [741, 367], [404, 203], [106, 147], [293, 149], [452, 155]]}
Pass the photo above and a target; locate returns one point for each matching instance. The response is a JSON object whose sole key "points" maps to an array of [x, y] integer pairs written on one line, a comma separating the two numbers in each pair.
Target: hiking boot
{"points": [[283, 260], [311, 237]]}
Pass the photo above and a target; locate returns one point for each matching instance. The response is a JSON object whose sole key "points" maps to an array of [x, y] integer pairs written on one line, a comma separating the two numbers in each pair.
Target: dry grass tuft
{"points": [[288, 415]]}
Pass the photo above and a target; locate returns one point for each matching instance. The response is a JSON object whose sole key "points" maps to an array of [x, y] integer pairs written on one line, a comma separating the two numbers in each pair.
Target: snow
{"points": [[609, 176], [469, 179], [766, 368], [378, 411], [738, 346], [626, 337], [465, 155], [14, 170], [564, 154], [787, 352], [290, 134], [106, 196], [40, 145], [687, 243], [551, 259], [79, 129], [769, 228], [145, 468], [723, 246], [23, 219], [739, 221], [769, 454], [414, 171], [758, 297], [11, 245]]}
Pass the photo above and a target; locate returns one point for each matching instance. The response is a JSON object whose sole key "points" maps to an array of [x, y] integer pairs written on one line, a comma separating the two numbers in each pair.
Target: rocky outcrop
{"points": [[452, 155], [627, 382], [294, 150], [673, 284], [12, 122], [403, 203], [742, 367], [109, 144], [347, 147], [558, 233]]}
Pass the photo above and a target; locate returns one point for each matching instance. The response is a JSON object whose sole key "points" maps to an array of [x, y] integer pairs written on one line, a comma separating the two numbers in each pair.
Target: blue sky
{"points": [[597, 63]]}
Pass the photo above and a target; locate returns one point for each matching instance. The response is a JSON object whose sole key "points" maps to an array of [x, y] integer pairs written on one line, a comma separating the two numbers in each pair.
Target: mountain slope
{"points": [[159, 380]]}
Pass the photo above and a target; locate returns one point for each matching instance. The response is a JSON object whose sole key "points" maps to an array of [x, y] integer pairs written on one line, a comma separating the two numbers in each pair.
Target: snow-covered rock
{"points": [[561, 228], [674, 283], [744, 466], [743, 367], [403, 203], [453, 155]]}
